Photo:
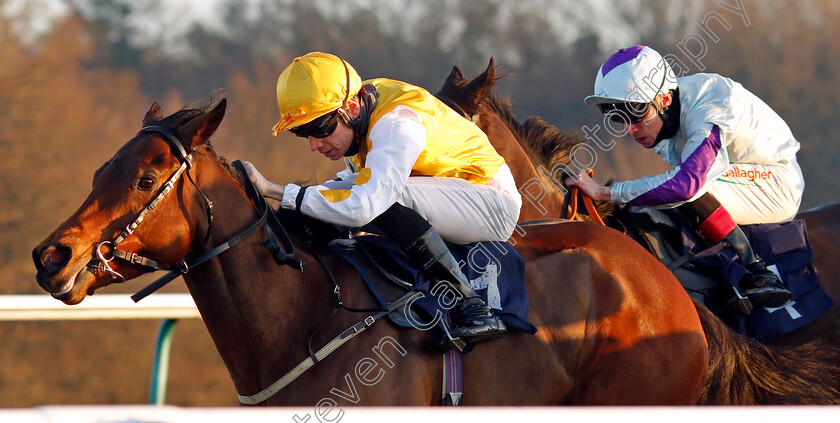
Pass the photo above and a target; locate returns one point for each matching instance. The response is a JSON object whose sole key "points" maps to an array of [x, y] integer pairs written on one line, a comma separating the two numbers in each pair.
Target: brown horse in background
{"points": [[609, 333], [535, 144], [541, 154]]}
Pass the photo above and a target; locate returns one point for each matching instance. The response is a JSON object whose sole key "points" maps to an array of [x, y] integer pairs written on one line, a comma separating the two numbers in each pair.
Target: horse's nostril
{"points": [[57, 256], [54, 256]]}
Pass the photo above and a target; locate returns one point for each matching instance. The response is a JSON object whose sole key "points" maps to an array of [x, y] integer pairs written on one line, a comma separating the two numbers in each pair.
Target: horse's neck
{"points": [[542, 198], [516, 157], [250, 305]]}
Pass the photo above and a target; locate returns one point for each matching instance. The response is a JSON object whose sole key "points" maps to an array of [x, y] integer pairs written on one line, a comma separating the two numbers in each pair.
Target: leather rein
{"points": [[267, 217], [587, 202]]}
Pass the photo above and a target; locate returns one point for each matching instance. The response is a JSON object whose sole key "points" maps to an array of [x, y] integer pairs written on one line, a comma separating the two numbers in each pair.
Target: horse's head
{"points": [[467, 95], [127, 209]]}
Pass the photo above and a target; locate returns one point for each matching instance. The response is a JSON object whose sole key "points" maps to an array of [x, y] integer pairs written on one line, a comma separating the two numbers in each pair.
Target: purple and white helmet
{"points": [[635, 74]]}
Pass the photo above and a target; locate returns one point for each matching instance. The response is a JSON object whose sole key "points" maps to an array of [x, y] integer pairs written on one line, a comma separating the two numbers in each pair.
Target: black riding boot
{"points": [[713, 222], [761, 286], [476, 322]]}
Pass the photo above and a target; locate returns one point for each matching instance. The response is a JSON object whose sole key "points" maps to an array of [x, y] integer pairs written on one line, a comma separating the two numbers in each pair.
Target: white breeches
{"points": [[462, 212], [760, 194]]}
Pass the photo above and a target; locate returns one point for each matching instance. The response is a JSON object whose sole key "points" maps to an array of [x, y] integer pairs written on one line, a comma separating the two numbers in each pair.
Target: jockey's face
{"points": [[338, 142], [646, 130], [334, 145]]}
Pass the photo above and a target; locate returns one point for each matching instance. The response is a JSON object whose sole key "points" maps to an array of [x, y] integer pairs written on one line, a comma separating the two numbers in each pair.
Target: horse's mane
{"points": [[545, 144]]}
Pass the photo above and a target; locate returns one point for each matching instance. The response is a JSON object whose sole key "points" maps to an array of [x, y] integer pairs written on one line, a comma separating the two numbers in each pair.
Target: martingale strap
{"points": [[331, 346]]}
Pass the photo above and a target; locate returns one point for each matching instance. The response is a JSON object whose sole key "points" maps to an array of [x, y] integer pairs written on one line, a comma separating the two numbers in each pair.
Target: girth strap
{"points": [[326, 350]]}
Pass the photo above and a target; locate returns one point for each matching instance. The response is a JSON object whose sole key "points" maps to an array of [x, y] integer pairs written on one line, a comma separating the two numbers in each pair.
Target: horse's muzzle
{"points": [[50, 260]]}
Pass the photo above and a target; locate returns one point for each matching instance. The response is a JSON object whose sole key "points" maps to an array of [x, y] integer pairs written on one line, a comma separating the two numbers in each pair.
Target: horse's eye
{"points": [[146, 183]]}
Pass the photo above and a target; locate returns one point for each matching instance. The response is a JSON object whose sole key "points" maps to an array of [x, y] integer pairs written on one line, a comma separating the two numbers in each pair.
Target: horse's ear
{"points": [[491, 69], [154, 114], [450, 87], [454, 77], [200, 129], [479, 88]]}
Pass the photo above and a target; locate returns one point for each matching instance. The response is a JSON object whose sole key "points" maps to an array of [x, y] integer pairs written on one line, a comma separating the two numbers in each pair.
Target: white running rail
{"points": [[97, 307], [169, 414]]}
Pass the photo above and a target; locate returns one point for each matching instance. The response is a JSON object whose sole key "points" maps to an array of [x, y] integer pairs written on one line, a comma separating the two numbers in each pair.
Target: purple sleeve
{"points": [[683, 182]]}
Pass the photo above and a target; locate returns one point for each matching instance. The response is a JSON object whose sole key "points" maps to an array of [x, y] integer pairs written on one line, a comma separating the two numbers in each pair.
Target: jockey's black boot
{"points": [[761, 286], [476, 322], [715, 224]]}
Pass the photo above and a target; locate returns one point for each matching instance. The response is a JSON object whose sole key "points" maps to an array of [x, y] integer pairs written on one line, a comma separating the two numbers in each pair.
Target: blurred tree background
{"points": [[74, 90]]}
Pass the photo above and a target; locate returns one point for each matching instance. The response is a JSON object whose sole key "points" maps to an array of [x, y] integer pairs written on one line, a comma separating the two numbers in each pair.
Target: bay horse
{"points": [[615, 327], [541, 155]]}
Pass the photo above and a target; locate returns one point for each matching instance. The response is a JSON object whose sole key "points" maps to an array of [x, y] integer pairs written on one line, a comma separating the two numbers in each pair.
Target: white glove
{"points": [[262, 185]]}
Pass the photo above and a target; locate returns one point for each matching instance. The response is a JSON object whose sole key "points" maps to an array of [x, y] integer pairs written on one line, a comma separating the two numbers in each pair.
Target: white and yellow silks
{"points": [[412, 137]]}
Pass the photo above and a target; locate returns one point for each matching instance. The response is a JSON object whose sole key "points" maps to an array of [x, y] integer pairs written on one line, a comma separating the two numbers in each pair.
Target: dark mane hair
{"points": [[316, 233], [545, 144]]}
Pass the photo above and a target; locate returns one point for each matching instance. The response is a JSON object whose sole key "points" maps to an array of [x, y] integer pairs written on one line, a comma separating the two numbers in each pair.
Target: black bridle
{"points": [[186, 160], [267, 218]]}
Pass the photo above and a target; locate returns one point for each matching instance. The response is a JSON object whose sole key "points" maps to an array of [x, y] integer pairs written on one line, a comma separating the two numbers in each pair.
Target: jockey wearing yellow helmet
{"points": [[728, 148], [415, 168]]}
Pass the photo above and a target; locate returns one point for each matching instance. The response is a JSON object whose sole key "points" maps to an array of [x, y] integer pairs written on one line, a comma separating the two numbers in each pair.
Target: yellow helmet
{"points": [[312, 86]]}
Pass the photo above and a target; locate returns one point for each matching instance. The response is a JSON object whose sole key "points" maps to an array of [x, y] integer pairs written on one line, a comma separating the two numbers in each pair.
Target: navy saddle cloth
{"points": [[495, 270], [708, 274]]}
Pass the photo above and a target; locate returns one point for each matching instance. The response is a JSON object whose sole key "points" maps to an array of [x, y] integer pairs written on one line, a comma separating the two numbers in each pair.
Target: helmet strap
{"points": [[670, 118], [367, 98], [344, 114]]}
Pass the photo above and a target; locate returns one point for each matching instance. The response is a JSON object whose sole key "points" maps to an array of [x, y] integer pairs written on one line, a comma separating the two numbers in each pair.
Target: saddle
{"points": [[709, 274], [411, 300], [495, 270]]}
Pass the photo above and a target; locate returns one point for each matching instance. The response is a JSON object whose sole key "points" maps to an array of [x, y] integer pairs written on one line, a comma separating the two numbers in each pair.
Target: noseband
{"points": [[182, 266]]}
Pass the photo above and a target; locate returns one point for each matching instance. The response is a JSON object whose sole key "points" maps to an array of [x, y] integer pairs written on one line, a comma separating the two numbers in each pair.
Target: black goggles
{"points": [[321, 127], [625, 112]]}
